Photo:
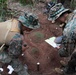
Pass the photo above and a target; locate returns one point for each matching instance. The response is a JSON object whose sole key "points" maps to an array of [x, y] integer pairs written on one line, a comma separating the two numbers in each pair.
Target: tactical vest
{"points": [[7, 30]]}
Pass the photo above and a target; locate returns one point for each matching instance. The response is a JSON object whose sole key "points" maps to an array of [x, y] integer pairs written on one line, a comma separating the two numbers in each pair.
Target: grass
{"points": [[34, 51], [25, 2], [38, 37], [73, 4], [3, 9]]}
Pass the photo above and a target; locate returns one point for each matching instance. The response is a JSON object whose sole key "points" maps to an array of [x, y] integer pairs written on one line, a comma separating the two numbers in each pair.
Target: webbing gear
{"points": [[15, 26]]}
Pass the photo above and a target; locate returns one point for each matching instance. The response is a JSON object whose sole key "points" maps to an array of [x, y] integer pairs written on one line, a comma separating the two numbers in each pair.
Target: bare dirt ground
{"points": [[38, 50]]}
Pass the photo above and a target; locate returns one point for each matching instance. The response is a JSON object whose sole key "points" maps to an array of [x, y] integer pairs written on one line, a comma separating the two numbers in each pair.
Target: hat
{"points": [[48, 6], [30, 21], [56, 11]]}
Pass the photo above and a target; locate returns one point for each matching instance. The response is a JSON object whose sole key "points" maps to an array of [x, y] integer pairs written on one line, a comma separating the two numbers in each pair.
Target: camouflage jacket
{"points": [[69, 33]]}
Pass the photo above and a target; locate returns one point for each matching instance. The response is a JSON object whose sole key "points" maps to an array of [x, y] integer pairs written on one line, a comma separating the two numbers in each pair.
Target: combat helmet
{"points": [[30, 21], [56, 11]]}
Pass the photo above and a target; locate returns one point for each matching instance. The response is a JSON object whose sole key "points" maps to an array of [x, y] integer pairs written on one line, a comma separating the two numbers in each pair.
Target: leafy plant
{"points": [[3, 8], [55, 1], [24, 2], [73, 4], [34, 51], [4, 11]]}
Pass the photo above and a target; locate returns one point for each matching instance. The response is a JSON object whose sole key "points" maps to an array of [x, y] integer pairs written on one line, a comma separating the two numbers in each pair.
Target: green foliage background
{"points": [[24, 2], [4, 11], [73, 4]]}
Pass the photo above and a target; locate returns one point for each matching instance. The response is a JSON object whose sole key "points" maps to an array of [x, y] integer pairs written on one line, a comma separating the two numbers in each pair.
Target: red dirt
{"points": [[40, 51]]}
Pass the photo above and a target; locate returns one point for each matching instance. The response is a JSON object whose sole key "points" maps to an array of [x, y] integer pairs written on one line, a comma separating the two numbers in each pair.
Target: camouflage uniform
{"points": [[11, 55], [68, 40], [56, 10], [69, 43]]}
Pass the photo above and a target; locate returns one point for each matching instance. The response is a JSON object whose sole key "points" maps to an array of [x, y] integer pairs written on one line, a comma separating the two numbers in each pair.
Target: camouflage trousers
{"points": [[12, 53], [14, 62], [70, 67]]}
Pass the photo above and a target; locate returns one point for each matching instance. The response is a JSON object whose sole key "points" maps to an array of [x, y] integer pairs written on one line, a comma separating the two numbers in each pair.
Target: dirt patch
{"points": [[40, 51]]}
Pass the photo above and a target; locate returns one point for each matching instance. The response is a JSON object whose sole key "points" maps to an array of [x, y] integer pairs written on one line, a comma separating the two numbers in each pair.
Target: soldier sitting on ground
{"points": [[67, 20], [11, 33]]}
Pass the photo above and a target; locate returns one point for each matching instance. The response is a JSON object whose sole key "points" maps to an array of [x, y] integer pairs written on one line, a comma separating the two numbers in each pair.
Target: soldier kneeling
{"points": [[12, 37]]}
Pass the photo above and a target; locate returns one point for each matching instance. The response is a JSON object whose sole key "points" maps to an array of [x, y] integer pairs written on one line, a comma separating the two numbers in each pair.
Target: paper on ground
{"points": [[51, 42], [10, 69], [1, 69]]}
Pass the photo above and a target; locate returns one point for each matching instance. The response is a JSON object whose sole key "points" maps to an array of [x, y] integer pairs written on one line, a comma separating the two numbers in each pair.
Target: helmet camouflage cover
{"points": [[56, 11], [30, 21]]}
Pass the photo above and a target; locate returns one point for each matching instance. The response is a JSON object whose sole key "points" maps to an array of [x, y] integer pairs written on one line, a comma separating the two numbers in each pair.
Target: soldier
{"points": [[67, 21], [11, 40]]}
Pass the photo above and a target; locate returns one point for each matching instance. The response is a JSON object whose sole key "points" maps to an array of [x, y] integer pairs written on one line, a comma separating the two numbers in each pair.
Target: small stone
{"points": [[22, 54], [38, 63], [56, 28]]}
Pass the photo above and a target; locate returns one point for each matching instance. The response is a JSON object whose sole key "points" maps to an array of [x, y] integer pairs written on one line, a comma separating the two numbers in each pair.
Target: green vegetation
{"points": [[55, 1], [24, 2], [73, 4], [3, 9], [34, 51], [38, 37], [5, 12]]}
